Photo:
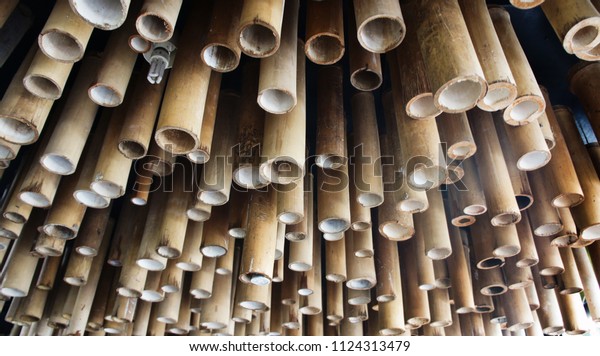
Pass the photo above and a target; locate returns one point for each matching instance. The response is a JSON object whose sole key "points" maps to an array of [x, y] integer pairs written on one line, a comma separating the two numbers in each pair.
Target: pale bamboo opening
{"points": [[139, 44], [35, 199], [491, 262], [198, 156], [324, 49], [132, 149], [15, 217], [106, 189], [333, 225], [548, 229], [61, 46], [213, 251], [370, 199], [276, 101], [584, 37], [258, 40], [109, 13], [59, 231], [411, 206], [366, 79], [176, 140], [524, 110], [17, 131], [381, 34], [150, 265], [213, 198], [330, 161], [567, 200], [505, 219], [533, 160], [499, 96], [475, 210], [105, 96], [42, 86], [422, 107], [460, 95], [220, 58], [153, 28], [91, 199], [591, 233], [57, 164], [396, 231]]}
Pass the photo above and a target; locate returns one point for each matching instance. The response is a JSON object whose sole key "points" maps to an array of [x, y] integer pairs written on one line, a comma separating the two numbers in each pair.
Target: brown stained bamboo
{"points": [[32, 306], [544, 218], [586, 214], [147, 256], [365, 66], [46, 245], [458, 270], [168, 309], [483, 244], [171, 278], [454, 329], [278, 268], [491, 282], [325, 32], [314, 302], [129, 233], [95, 228], [141, 186], [333, 198], [216, 311], [48, 272], [259, 245], [589, 281], [360, 270], [243, 315], [457, 80], [391, 316], [46, 77], [527, 144], [570, 281], [529, 103], [66, 214], [156, 327], [202, 153], [363, 243], [430, 225], [359, 214], [179, 124], [221, 51], [594, 252], [174, 221], [215, 242], [500, 199], [290, 203], [456, 135], [256, 298], [290, 287], [8, 151], [416, 303], [203, 280], [142, 318], [528, 255], [300, 257], [238, 214], [335, 261], [191, 258], [439, 305], [366, 151], [226, 262], [550, 262], [518, 314], [576, 24], [39, 186], [98, 310], [535, 329], [285, 163], [573, 314], [544, 121], [103, 15], [380, 25], [517, 277], [247, 156], [583, 88], [459, 218], [158, 161], [532, 295], [20, 266], [593, 149], [78, 269], [22, 114], [10, 230], [123, 311], [182, 327], [140, 118], [56, 319], [291, 320], [331, 123], [198, 210], [502, 90], [157, 19], [112, 168], [314, 325], [129, 225], [260, 27]]}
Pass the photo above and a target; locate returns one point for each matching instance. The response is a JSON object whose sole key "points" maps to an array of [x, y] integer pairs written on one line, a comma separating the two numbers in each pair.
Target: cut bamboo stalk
{"points": [[19, 270], [331, 125], [454, 329], [10, 230], [416, 303], [430, 225], [39, 186], [543, 216], [46, 245], [314, 302], [179, 124], [147, 257], [529, 103], [156, 328], [139, 44], [123, 310], [589, 281], [502, 205], [159, 161], [484, 244], [141, 186], [502, 90], [66, 214], [290, 286], [526, 4], [532, 296], [335, 261], [48, 272], [544, 121], [198, 210], [394, 224], [380, 25], [459, 274], [456, 134], [290, 203], [458, 80], [439, 305], [112, 168], [191, 258], [96, 227], [563, 185], [22, 114], [528, 255], [550, 262], [278, 274], [576, 24], [391, 315], [314, 325], [130, 230], [324, 31], [491, 282], [366, 151], [65, 35], [301, 251], [247, 157], [140, 118], [333, 197], [285, 164], [32, 307], [202, 153], [259, 246], [238, 214], [535, 329], [260, 27], [131, 223], [570, 280], [256, 298], [157, 19], [225, 263], [528, 145], [518, 314], [573, 314], [203, 280], [14, 209], [56, 319], [365, 66], [216, 311], [103, 15], [363, 243], [517, 277], [78, 269], [361, 270], [483, 303], [171, 279], [594, 252], [168, 309], [584, 88], [586, 214], [174, 221], [215, 242], [243, 315], [593, 149], [221, 51], [182, 327], [46, 77], [142, 318], [361, 215], [459, 218]]}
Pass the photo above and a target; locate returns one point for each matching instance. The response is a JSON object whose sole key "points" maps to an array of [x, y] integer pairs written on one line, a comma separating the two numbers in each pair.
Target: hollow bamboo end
{"points": [[490, 263], [494, 289], [57, 164], [422, 106], [259, 279], [103, 14], [139, 44], [334, 226], [151, 264], [42, 86], [258, 39], [507, 251], [197, 214], [564, 240], [460, 94], [366, 79], [199, 156], [104, 95], [381, 33], [61, 46], [548, 229], [59, 231], [249, 177], [333, 236], [221, 57], [498, 97], [462, 150], [395, 231], [35, 199], [360, 225], [438, 253], [425, 178], [188, 266], [153, 27], [132, 149], [324, 48], [18, 131], [582, 36], [107, 189], [505, 219], [567, 200], [412, 206], [464, 220], [524, 110], [533, 160], [591, 232], [129, 293], [91, 199], [13, 292], [283, 170], [276, 101], [213, 198], [526, 4], [335, 278], [168, 252], [213, 251], [328, 161], [551, 271], [237, 232], [176, 140]]}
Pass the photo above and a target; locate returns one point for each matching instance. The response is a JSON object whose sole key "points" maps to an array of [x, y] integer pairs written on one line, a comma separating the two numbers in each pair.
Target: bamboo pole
{"points": [[215, 183], [529, 103], [142, 318], [391, 315], [517, 277], [576, 24], [98, 311], [544, 121], [502, 90], [133, 277], [416, 302], [32, 306], [361, 215], [528, 256], [197, 210], [156, 327], [46, 245], [290, 203], [491, 282], [589, 281], [527, 144], [430, 225], [573, 313], [202, 153], [140, 118], [324, 31], [48, 272], [257, 298], [182, 327], [174, 222], [333, 197], [456, 134], [502, 205], [46, 77], [171, 278], [147, 257], [14, 209], [593, 149], [129, 225], [78, 269], [550, 262], [457, 80], [238, 214], [139, 44], [225, 263], [532, 296], [259, 246], [526, 4], [247, 158], [366, 151], [203, 280], [360, 270], [570, 282], [483, 243], [141, 186], [221, 51], [103, 15], [179, 124], [314, 302], [458, 269], [301, 251], [518, 314], [285, 163], [586, 214], [583, 88], [10, 230], [159, 162], [260, 27], [459, 218], [216, 311], [22, 114], [157, 19], [439, 305], [66, 214], [331, 125], [96, 227], [380, 25], [168, 309], [215, 242], [365, 66], [335, 261], [65, 35], [191, 258], [543, 216], [363, 243]]}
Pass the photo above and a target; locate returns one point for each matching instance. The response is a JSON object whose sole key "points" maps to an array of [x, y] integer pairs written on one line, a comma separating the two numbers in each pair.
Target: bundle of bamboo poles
{"points": [[185, 207]]}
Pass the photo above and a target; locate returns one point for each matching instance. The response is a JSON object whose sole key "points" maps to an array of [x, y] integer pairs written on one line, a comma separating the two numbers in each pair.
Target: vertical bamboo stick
{"points": [[543, 216], [32, 306], [141, 186], [359, 214], [570, 282], [439, 305], [576, 24], [203, 280], [198, 210], [191, 258], [584, 88], [202, 153], [518, 315], [260, 27], [96, 227], [221, 51], [225, 263], [324, 31], [46, 77], [528, 145], [290, 203], [48, 272], [380, 25], [216, 311], [365, 66], [157, 19], [238, 214], [78, 269], [517, 277], [132, 278], [335, 261], [130, 224], [300, 252], [544, 121], [550, 262], [215, 242], [333, 198], [98, 311], [532, 296], [573, 313], [528, 255], [46, 245], [156, 327], [171, 279], [361, 270], [168, 309], [435, 233], [147, 256], [314, 302], [483, 244], [142, 318], [387, 270], [105, 16], [456, 134], [459, 274], [331, 126], [529, 103], [10, 230], [416, 303], [589, 281], [335, 302], [66, 214], [501, 203]]}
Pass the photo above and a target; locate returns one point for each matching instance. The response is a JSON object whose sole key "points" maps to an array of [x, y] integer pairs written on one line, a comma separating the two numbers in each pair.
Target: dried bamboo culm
{"points": [[431, 225], [458, 269], [589, 281], [549, 312], [361, 270], [215, 242], [365, 66], [221, 51], [502, 89], [105, 16], [202, 153], [48, 272], [331, 124], [96, 226], [203, 280], [301, 251], [335, 261], [46, 245], [380, 25], [569, 280], [130, 223], [416, 303], [157, 18], [147, 257], [483, 244], [550, 262], [141, 185], [468, 195], [191, 258], [259, 30], [46, 77], [66, 214], [581, 84], [528, 255], [456, 135], [526, 4], [324, 31], [238, 214], [529, 103], [573, 314], [543, 217], [576, 24], [333, 200]]}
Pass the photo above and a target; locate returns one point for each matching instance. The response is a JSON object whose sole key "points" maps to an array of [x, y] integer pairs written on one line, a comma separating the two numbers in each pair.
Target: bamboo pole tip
{"points": [[249, 177], [582, 36], [524, 110], [564, 239], [490, 263], [395, 231], [439, 253], [17, 130], [8, 152], [139, 44], [417, 322], [463, 220], [369, 200], [494, 289], [57, 164], [107, 189], [335, 278], [567, 200], [13, 292], [527, 262], [188, 266], [167, 319], [253, 305], [381, 33], [548, 229], [505, 219], [139, 201], [440, 323], [256, 278], [591, 232], [129, 292], [200, 293], [299, 266], [176, 140], [237, 232], [48, 251], [333, 226], [328, 161], [103, 14], [499, 96], [61, 46], [362, 283], [533, 160], [154, 27], [310, 310], [507, 251], [412, 206], [213, 251], [220, 57], [59, 231], [460, 94], [461, 151], [213, 198], [282, 170], [276, 101], [199, 156], [168, 252], [422, 106], [475, 209], [132, 149], [425, 178], [104, 95], [366, 79], [170, 288], [295, 236], [9, 234], [42, 86], [77, 281], [34, 199], [551, 271], [324, 48], [258, 39], [290, 218], [198, 214], [334, 236], [526, 4], [360, 225], [91, 199], [151, 264], [152, 296], [391, 331]]}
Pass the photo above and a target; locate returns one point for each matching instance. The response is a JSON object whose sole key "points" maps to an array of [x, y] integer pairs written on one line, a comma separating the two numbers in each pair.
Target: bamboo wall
{"points": [[458, 202]]}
